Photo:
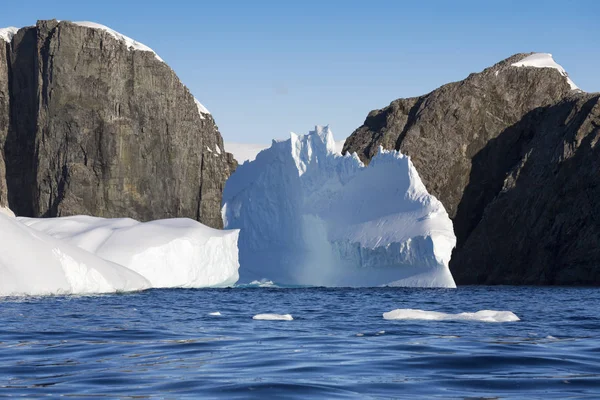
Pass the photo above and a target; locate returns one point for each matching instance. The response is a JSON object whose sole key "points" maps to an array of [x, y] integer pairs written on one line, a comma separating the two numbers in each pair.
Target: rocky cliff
{"points": [[94, 123], [511, 153]]}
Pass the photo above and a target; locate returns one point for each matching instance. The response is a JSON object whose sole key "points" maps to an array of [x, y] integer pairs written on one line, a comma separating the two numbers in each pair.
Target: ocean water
{"points": [[164, 343]]}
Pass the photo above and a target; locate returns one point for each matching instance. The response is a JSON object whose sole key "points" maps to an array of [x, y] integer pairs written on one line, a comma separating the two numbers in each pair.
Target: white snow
{"points": [[483, 315], [176, 252], [309, 216], [34, 263], [545, 60], [7, 34], [218, 149], [129, 42], [201, 108], [273, 317]]}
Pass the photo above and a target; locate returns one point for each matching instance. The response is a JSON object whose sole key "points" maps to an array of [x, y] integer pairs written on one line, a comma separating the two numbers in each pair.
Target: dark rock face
{"points": [[499, 149], [91, 127]]}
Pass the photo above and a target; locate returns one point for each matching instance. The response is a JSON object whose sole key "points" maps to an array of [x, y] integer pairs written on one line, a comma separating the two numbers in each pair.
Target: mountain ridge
{"points": [[91, 126], [464, 139]]}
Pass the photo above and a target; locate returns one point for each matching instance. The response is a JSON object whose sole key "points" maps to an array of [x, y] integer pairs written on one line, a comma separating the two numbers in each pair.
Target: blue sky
{"points": [[265, 68]]}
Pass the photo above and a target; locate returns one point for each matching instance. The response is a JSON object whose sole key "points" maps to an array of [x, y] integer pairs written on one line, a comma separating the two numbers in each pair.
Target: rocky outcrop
{"points": [[91, 126], [511, 154]]}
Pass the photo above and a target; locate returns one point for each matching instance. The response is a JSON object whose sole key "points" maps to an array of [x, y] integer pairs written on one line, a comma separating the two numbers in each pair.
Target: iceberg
{"points": [[34, 263], [310, 216], [169, 253]]}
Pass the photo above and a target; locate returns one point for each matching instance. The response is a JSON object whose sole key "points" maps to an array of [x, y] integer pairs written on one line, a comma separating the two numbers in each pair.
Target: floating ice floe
{"points": [[273, 317], [309, 216], [169, 253], [483, 315]]}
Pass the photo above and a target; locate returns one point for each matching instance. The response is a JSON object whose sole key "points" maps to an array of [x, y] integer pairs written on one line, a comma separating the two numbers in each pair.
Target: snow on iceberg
{"points": [[545, 60], [483, 315], [34, 263], [309, 216], [176, 252]]}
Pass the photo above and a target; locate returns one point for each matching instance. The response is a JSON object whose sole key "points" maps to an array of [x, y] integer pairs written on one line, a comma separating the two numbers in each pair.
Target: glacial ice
{"points": [[482, 316], [169, 253], [273, 317], [34, 263], [309, 216]]}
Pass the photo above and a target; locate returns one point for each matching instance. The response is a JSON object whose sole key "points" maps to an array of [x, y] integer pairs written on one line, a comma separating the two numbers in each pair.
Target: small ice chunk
{"points": [[483, 315], [262, 283], [273, 317], [215, 314]]}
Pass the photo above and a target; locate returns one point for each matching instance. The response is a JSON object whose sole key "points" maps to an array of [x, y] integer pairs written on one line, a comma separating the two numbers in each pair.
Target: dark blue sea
{"points": [[164, 344]]}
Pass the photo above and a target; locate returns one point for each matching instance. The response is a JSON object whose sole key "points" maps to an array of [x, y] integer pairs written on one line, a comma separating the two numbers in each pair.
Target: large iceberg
{"points": [[34, 263], [309, 216], [169, 253]]}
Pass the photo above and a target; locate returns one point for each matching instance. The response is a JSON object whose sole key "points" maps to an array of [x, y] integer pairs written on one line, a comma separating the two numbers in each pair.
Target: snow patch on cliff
{"points": [[545, 60], [129, 42], [310, 216], [7, 34], [176, 252], [201, 108]]}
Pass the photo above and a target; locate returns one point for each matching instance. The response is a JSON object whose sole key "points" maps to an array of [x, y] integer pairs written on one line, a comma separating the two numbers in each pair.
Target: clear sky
{"points": [[265, 68]]}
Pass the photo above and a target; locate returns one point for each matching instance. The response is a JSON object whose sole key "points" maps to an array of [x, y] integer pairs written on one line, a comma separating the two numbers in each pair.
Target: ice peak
{"points": [[129, 42], [313, 148], [545, 60], [325, 135], [7, 34]]}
